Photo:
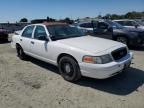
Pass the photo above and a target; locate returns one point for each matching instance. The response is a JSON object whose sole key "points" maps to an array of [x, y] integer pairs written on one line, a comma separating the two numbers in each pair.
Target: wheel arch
{"points": [[17, 44], [65, 54]]}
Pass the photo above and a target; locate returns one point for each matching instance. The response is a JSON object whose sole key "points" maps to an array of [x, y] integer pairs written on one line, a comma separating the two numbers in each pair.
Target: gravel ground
{"points": [[35, 84]]}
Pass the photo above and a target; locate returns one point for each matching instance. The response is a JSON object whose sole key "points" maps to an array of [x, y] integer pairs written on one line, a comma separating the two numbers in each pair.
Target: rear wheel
{"points": [[69, 69], [20, 52], [122, 39]]}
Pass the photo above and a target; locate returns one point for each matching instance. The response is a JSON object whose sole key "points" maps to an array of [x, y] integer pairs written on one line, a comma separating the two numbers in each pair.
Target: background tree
{"points": [[115, 16], [50, 19], [67, 20], [99, 17], [107, 16], [24, 20], [129, 15], [132, 15]]}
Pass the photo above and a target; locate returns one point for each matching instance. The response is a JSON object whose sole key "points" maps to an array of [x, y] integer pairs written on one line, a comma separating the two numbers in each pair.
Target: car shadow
{"points": [[122, 84], [44, 65]]}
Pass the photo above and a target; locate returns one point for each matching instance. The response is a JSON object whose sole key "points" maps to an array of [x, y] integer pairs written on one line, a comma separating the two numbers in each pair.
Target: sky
{"points": [[14, 10]]}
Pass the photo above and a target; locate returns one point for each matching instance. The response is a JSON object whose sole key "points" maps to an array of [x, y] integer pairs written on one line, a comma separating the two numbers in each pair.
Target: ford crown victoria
{"points": [[72, 51]]}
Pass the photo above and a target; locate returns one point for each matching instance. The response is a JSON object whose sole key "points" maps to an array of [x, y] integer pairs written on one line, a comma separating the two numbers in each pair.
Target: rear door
{"points": [[103, 30], [26, 37]]}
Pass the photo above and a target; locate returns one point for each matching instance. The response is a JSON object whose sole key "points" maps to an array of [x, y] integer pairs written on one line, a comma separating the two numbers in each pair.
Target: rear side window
{"points": [[86, 25], [28, 32], [102, 25]]}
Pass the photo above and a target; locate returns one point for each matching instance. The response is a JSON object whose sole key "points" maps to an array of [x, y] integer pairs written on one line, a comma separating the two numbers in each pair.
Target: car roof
{"points": [[50, 23], [54, 23]]}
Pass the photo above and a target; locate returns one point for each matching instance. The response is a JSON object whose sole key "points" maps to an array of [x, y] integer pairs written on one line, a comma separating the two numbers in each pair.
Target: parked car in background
{"points": [[3, 35], [130, 23], [140, 21], [72, 51], [112, 30], [12, 27], [86, 27]]}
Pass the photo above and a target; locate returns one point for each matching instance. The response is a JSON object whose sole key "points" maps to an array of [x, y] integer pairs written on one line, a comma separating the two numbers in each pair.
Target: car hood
{"points": [[91, 44]]}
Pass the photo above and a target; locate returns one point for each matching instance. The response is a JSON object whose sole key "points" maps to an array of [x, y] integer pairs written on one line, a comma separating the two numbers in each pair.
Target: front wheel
{"points": [[69, 69]]}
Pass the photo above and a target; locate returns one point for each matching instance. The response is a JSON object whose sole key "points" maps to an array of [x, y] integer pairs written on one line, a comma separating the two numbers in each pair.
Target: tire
{"points": [[20, 52], [69, 69], [122, 39]]}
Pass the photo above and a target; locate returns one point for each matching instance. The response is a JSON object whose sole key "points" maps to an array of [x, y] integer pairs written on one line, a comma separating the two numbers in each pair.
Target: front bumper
{"points": [[103, 71]]}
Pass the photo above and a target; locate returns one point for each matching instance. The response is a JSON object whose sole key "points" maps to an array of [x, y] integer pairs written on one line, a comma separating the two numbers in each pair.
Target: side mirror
{"points": [[44, 38], [52, 37]]}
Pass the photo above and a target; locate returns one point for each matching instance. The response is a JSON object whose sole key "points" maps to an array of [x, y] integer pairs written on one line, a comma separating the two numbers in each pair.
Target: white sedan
{"points": [[72, 51], [129, 23]]}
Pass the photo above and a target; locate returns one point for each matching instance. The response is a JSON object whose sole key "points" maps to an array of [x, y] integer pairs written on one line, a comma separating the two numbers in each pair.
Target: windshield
{"points": [[115, 25], [64, 31]]}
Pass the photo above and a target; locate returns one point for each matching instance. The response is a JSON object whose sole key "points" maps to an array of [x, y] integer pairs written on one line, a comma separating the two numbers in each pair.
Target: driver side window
{"points": [[102, 26], [27, 33], [86, 25], [40, 33]]}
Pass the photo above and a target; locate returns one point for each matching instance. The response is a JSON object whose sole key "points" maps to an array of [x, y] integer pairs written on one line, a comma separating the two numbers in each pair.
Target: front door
{"points": [[39, 43], [103, 31]]}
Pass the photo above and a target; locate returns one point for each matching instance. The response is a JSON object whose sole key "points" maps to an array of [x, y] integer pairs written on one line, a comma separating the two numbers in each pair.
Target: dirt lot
{"points": [[35, 84]]}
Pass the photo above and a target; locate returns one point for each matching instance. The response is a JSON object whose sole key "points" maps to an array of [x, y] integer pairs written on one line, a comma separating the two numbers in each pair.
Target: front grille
{"points": [[119, 53]]}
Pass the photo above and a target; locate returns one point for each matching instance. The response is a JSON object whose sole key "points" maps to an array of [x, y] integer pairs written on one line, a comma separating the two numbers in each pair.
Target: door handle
{"points": [[32, 42]]}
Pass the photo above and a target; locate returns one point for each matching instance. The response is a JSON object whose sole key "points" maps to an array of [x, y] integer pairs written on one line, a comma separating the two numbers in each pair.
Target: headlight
{"points": [[98, 59]]}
